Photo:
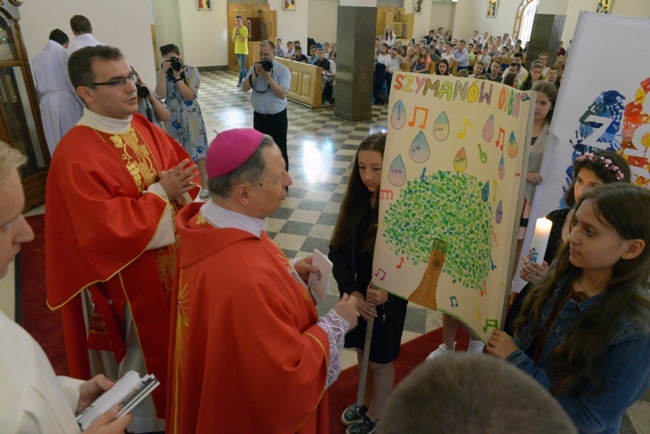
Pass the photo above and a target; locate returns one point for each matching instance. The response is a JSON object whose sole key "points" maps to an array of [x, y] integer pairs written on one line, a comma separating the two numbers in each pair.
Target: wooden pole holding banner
{"points": [[363, 369]]}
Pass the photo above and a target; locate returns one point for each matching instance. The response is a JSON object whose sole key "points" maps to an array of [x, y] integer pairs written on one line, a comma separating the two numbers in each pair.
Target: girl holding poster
{"points": [[584, 332], [590, 170], [351, 252]]}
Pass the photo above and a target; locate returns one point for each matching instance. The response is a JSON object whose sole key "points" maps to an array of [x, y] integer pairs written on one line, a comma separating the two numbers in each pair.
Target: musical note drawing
{"points": [[484, 290], [494, 238], [495, 183], [492, 265], [482, 154], [463, 133], [453, 299], [386, 194], [494, 323], [401, 261], [415, 114], [422, 176], [501, 139], [382, 272]]}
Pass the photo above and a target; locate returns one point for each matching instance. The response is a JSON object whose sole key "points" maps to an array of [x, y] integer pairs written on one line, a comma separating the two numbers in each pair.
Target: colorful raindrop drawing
{"points": [[488, 129], [460, 161], [485, 193], [502, 168], [398, 117], [512, 146], [499, 213], [397, 172], [419, 150], [441, 127]]}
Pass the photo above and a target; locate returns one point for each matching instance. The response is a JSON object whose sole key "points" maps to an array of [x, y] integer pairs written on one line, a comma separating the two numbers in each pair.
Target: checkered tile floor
{"points": [[321, 151]]}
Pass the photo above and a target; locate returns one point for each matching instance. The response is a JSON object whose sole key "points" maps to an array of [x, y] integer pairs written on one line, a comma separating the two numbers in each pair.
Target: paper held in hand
{"points": [[128, 391], [318, 282]]}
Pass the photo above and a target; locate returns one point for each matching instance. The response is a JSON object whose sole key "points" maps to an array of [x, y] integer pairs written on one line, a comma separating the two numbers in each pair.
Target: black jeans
{"points": [[275, 126]]}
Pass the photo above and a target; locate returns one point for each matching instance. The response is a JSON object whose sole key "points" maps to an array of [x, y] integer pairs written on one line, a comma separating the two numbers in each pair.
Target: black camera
{"points": [[267, 65], [177, 65], [143, 91]]}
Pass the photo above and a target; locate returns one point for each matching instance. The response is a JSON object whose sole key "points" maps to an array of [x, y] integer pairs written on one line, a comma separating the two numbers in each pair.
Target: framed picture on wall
{"points": [[203, 5], [492, 8], [288, 5], [604, 6], [417, 7]]}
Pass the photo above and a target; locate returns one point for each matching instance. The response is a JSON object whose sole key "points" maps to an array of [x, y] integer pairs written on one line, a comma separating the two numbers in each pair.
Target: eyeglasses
{"points": [[117, 82]]}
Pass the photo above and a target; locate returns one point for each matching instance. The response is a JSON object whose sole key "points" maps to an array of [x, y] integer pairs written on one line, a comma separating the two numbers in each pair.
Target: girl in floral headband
{"points": [[590, 170], [608, 166]]}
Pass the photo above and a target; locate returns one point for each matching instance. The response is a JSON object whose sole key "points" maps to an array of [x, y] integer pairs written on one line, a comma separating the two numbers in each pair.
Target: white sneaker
{"points": [[475, 346], [441, 351]]}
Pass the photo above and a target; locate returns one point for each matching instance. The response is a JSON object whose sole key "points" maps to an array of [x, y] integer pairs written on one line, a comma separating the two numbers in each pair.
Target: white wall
{"points": [[166, 15], [294, 25], [204, 33], [322, 20], [472, 15], [121, 23]]}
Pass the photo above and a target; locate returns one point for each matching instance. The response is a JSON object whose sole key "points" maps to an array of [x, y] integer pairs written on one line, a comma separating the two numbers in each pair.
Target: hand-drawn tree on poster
{"points": [[443, 219]]}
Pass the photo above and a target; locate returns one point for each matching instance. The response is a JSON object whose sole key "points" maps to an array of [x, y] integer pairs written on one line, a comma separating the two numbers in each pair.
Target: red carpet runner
{"points": [[43, 324], [344, 391]]}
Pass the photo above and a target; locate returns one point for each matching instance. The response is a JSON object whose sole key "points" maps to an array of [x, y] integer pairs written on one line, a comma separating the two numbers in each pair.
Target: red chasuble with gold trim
{"points": [[98, 223], [246, 353]]}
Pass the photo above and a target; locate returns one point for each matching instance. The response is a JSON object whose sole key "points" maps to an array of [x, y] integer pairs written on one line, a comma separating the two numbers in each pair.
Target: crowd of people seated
{"points": [[320, 54], [481, 56]]}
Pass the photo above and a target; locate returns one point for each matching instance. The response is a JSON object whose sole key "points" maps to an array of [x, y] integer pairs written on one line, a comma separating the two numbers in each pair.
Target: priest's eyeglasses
{"points": [[117, 82]]}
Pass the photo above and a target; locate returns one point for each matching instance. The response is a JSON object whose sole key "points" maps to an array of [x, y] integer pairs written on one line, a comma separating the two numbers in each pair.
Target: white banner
{"points": [[602, 104]]}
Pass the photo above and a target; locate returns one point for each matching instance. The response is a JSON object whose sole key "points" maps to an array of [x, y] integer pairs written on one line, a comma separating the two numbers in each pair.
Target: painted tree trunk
{"points": [[425, 293]]}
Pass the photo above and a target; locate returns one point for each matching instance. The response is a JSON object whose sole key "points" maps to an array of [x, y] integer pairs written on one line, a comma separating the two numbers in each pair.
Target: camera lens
{"points": [[143, 92], [176, 63]]}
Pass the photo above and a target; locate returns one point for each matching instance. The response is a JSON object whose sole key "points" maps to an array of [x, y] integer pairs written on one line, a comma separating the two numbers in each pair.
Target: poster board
{"points": [[451, 195], [598, 107]]}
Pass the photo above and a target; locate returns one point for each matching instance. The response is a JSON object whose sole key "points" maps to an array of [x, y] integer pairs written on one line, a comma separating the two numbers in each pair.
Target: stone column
{"points": [[547, 31], [355, 38]]}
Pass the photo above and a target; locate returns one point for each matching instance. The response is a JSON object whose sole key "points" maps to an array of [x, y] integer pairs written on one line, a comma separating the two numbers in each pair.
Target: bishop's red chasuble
{"points": [[246, 353]]}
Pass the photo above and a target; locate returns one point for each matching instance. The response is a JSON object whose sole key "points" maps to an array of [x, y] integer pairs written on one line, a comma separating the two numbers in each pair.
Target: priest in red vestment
{"points": [[248, 353], [114, 186]]}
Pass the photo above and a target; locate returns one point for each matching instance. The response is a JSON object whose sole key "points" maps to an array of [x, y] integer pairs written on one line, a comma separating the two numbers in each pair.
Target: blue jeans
{"points": [[241, 60]]}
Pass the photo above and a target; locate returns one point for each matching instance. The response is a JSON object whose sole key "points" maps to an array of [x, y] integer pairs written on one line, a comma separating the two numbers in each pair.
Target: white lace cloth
{"points": [[336, 328]]}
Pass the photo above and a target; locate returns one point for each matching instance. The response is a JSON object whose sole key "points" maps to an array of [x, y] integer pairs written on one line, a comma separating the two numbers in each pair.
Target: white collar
{"points": [[220, 217], [104, 123]]}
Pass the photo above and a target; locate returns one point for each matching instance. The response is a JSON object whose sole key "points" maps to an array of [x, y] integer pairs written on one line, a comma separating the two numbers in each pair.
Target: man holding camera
{"points": [[270, 82]]}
